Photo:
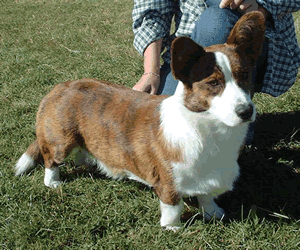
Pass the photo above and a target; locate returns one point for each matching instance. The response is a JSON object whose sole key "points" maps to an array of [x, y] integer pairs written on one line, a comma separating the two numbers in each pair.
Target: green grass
{"points": [[44, 42]]}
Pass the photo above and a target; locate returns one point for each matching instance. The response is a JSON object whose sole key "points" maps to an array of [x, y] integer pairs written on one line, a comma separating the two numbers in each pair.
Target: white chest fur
{"points": [[210, 148]]}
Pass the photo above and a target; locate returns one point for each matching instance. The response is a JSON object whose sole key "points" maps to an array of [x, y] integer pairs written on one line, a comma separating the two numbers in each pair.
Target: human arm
{"points": [[150, 80], [151, 22]]}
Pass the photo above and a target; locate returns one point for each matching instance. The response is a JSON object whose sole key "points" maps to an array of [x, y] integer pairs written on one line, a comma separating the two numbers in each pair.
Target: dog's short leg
{"points": [[210, 207], [54, 154], [52, 179], [170, 215]]}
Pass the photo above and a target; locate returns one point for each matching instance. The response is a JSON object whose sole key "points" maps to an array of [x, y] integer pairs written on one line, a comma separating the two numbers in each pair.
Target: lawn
{"points": [[44, 42]]}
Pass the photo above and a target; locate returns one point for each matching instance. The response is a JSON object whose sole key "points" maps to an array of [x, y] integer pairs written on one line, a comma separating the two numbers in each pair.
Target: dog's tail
{"points": [[29, 159]]}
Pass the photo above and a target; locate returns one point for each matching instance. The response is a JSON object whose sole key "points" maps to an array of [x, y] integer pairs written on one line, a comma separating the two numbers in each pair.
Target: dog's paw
{"points": [[53, 184], [52, 179], [218, 213], [211, 208], [172, 228]]}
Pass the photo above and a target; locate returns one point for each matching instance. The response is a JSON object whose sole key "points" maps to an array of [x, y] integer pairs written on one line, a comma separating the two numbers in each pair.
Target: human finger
{"points": [[232, 3], [245, 7], [225, 3], [235, 4]]}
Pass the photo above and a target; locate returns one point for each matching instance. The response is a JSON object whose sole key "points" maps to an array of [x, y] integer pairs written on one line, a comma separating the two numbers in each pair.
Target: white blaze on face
{"points": [[224, 106]]}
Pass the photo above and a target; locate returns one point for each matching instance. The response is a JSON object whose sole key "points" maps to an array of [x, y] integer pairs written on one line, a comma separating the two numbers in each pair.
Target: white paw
{"points": [[52, 179], [172, 228], [24, 164], [170, 215], [53, 184]]}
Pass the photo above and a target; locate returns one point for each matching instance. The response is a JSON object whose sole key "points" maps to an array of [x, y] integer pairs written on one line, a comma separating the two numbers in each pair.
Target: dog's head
{"points": [[218, 79]]}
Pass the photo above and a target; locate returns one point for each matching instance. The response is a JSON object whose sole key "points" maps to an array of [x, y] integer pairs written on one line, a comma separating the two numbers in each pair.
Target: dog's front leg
{"points": [[170, 215], [207, 203]]}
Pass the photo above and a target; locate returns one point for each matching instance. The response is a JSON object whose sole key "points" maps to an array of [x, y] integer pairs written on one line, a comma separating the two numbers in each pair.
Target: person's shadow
{"points": [[269, 181]]}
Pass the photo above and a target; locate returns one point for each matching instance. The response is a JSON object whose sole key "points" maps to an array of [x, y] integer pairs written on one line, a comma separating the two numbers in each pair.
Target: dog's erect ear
{"points": [[184, 54], [248, 35]]}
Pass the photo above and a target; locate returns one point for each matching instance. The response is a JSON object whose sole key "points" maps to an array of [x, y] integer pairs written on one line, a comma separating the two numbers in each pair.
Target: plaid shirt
{"points": [[152, 21]]}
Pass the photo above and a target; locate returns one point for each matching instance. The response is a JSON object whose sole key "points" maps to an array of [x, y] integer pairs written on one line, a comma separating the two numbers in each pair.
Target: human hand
{"points": [[243, 6], [148, 83]]}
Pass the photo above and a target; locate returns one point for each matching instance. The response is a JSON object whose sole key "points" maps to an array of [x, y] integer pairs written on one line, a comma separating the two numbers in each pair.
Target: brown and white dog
{"points": [[184, 145]]}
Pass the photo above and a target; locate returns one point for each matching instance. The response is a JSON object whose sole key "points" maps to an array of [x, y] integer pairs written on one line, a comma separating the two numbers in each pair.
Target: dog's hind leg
{"points": [[54, 156], [29, 159], [52, 178]]}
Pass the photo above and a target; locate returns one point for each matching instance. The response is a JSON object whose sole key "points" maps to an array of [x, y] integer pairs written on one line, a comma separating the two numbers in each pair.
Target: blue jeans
{"points": [[212, 27]]}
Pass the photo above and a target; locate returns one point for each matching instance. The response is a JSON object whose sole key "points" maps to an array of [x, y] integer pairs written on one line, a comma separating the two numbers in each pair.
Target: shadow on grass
{"points": [[69, 172], [269, 181]]}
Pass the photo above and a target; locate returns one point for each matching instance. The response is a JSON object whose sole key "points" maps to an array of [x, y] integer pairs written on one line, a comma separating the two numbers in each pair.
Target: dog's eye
{"points": [[214, 83]]}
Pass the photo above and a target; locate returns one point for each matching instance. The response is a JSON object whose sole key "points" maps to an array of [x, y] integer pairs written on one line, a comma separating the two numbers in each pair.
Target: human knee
{"points": [[214, 25]]}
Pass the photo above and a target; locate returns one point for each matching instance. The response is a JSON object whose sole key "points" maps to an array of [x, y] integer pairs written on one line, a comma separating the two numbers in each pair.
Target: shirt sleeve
{"points": [[280, 7], [283, 50], [151, 21]]}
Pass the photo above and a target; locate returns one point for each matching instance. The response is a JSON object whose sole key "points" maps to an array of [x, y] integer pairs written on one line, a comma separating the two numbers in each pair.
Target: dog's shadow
{"points": [[269, 181]]}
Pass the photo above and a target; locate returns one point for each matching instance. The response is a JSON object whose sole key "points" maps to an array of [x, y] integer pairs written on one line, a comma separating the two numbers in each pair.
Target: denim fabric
{"points": [[214, 24], [212, 27]]}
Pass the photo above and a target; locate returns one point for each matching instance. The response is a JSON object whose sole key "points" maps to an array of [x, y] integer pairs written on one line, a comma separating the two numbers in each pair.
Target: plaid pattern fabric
{"points": [[283, 52], [152, 21]]}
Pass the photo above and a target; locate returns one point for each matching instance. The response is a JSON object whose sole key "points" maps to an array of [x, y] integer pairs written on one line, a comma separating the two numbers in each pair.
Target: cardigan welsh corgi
{"points": [[183, 145]]}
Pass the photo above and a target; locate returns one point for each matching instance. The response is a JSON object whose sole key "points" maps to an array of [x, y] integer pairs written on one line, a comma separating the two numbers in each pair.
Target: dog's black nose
{"points": [[244, 111]]}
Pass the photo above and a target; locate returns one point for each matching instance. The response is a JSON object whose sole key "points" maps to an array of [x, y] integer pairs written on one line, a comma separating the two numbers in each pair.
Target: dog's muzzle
{"points": [[244, 111]]}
